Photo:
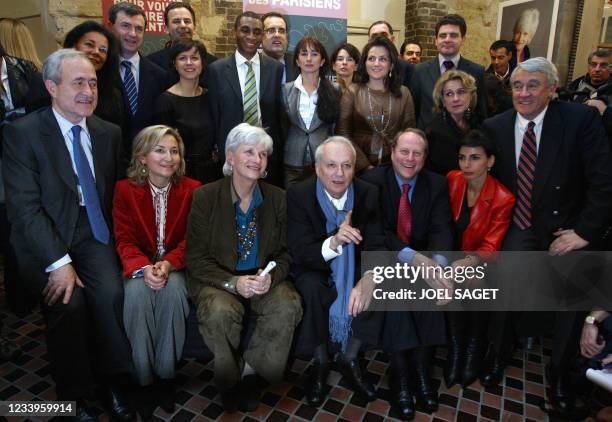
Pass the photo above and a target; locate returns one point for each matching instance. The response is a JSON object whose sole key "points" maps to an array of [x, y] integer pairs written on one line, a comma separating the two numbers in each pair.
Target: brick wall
{"points": [[421, 18]]}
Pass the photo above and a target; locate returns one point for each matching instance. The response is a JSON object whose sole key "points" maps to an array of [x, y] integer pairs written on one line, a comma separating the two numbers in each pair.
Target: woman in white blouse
{"points": [[311, 103]]}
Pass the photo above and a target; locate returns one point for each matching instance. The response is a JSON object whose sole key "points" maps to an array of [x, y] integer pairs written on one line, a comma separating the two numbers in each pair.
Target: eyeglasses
{"points": [[275, 30], [604, 66]]}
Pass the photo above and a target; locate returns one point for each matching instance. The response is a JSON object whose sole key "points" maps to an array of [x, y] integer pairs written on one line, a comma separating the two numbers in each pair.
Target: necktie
{"points": [[249, 98], [448, 64], [88, 187], [404, 216], [525, 173], [129, 83]]}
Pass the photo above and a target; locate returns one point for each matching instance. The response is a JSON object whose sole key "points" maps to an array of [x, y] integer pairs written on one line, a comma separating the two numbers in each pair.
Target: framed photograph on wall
{"points": [[530, 24]]}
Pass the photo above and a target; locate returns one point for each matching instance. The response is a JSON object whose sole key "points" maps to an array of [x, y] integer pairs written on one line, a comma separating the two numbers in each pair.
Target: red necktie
{"points": [[404, 216], [525, 173]]}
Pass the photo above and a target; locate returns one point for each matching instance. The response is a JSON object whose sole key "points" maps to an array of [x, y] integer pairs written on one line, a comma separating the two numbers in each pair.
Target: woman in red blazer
{"points": [[150, 211], [482, 208]]}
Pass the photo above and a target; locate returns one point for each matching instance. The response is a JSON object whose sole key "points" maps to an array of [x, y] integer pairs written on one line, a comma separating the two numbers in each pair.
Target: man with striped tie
{"points": [[245, 87], [555, 158]]}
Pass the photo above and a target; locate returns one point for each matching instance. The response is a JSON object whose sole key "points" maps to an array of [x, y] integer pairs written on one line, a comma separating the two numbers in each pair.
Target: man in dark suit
{"points": [[384, 29], [332, 218], [449, 37], [60, 167], [275, 43], [410, 336], [180, 19], [141, 80], [555, 159], [246, 87]]}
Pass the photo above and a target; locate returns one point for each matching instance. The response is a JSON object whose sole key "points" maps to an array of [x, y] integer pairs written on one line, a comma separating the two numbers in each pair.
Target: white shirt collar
{"points": [[454, 59], [523, 122], [66, 125], [240, 59], [299, 84], [338, 203], [134, 60]]}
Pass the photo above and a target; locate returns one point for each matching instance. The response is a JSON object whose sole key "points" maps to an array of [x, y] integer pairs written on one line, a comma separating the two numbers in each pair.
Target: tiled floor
{"points": [[517, 399]]}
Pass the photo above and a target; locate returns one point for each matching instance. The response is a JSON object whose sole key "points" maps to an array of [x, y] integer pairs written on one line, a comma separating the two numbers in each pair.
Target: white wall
{"points": [[361, 13]]}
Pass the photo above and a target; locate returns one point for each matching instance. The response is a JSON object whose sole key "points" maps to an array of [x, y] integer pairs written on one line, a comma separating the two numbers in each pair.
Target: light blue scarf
{"points": [[343, 268]]}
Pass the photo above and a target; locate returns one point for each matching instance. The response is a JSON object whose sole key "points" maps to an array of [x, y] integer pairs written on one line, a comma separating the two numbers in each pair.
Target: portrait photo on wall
{"points": [[530, 24]]}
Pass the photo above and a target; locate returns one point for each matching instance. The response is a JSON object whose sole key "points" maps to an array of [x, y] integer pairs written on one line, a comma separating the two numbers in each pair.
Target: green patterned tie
{"points": [[249, 98]]}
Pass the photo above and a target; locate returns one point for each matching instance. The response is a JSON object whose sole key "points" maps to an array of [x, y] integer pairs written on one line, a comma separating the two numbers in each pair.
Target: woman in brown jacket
{"points": [[374, 110]]}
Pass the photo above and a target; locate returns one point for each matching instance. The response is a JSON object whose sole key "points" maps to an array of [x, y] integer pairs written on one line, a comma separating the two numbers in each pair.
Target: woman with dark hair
{"points": [[344, 62], [100, 46], [150, 211], [185, 106], [481, 208], [375, 109], [311, 104], [454, 98]]}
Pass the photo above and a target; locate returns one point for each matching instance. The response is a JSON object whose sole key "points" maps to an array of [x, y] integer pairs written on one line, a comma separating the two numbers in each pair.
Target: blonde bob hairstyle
{"points": [[467, 80], [144, 143]]}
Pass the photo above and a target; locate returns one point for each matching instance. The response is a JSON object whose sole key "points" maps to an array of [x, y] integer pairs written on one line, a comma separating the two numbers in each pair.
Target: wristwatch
{"points": [[590, 320]]}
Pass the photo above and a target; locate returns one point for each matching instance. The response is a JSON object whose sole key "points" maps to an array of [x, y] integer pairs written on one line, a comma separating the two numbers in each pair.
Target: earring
{"points": [[265, 174], [468, 114], [143, 170], [231, 168], [488, 168]]}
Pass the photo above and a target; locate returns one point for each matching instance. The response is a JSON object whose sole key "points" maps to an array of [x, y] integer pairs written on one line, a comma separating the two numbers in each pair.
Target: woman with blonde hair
{"points": [[17, 41], [150, 211], [454, 97]]}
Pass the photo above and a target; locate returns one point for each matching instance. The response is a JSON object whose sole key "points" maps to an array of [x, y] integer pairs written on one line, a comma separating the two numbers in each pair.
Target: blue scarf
{"points": [[343, 268]]}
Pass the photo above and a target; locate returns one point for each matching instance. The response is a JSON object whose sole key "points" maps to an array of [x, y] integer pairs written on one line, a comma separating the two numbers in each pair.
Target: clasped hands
{"points": [[248, 286], [434, 276], [156, 275]]}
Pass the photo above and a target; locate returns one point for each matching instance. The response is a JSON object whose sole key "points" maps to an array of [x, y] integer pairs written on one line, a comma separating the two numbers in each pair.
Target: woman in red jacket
{"points": [[482, 208], [150, 211]]}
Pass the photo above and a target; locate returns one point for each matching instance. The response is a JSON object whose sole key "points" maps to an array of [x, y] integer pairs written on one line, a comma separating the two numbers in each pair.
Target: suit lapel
{"points": [[265, 76], [394, 195], [434, 70], [506, 147], [98, 153], [227, 252], [55, 145], [175, 204], [231, 74], [550, 140], [265, 228], [294, 106]]}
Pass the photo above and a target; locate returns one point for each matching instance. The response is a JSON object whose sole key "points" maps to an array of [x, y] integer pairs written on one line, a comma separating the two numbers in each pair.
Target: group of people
{"points": [[386, 156]]}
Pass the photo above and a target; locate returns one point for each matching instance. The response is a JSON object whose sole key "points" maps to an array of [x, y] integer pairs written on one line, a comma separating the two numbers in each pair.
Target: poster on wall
{"points": [[530, 24], [155, 33], [322, 19]]}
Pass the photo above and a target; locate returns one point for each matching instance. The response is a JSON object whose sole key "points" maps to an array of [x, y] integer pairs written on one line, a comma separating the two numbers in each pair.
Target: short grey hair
{"points": [[599, 53], [245, 134], [538, 64], [52, 68], [337, 140], [529, 19]]}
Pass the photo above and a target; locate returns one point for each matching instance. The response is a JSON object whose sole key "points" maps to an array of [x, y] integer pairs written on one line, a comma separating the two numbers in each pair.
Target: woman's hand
{"points": [[164, 268], [154, 278]]}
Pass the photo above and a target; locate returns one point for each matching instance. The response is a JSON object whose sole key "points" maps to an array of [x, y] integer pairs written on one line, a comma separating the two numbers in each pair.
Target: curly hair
{"points": [[393, 82], [467, 80]]}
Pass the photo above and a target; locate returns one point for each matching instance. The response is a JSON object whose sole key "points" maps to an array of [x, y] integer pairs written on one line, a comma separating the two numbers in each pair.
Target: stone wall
{"points": [[421, 18]]}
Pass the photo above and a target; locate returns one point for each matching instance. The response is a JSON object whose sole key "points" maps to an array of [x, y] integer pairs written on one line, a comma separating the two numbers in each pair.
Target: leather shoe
{"points": [[117, 410], [83, 413], [229, 399], [562, 400], [473, 359], [350, 370], [250, 391], [493, 369], [402, 398], [454, 361], [426, 394], [316, 390], [167, 395]]}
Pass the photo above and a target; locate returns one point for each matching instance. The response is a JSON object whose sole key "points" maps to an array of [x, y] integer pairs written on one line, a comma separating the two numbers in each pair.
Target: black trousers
{"points": [[94, 313], [318, 296]]}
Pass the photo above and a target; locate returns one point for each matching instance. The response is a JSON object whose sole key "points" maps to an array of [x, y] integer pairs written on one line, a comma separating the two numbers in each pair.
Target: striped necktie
{"points": [[525, 174], [129, 83], [249, 98]]}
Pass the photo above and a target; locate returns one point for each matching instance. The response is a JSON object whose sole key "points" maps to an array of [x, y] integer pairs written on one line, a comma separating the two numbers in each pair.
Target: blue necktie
{"points": [[129, 84], [88, 187]]}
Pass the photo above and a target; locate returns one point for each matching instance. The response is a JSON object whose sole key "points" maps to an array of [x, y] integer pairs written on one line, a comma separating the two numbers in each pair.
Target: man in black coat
{"points": [[410, 336], [275, 43], [332, 218], [228, 86], [555, 158], [180, 21], [60, 167], [450, 35], [128, 22]]}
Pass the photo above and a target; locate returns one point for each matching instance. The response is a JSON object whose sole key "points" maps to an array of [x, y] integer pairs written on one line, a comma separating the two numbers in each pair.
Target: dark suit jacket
{"points": [[162, 59], [431, 214], [573, 182], [152, 81], [291, 70], [306, 230], [407, 72], [422, 84], [41, 187], [226, 100], [211, 251], [136, 230]]}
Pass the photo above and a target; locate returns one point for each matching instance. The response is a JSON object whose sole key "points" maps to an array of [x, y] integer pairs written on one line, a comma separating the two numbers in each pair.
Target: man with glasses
{"points": [[596, 84], [180, 21], [275, 42], [245, 87]]}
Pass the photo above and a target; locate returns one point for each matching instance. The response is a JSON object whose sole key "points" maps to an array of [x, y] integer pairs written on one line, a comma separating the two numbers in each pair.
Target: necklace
{"points": [[247, 241], [382, 132]]}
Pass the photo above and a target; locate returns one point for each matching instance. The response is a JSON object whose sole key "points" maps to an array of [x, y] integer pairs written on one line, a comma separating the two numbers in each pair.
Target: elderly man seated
{"points": [[331, 219]]}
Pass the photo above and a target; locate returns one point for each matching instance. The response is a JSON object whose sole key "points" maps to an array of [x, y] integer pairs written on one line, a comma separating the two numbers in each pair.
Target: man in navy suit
{"points": [[231, 92], [141, 80], [275, 43], [450, 35]]}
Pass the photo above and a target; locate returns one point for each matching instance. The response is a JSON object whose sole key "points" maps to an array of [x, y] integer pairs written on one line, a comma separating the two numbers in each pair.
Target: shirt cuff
{"points": [[440, 259], [327, 252], [406, 255], [139, 272], [59, 263], [230, 285]]}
